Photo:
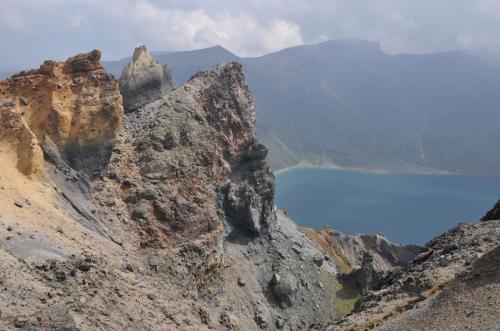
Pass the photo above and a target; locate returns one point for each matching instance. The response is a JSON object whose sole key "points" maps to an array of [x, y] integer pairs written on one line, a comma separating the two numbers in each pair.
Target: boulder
{"points": [[284, 286]]}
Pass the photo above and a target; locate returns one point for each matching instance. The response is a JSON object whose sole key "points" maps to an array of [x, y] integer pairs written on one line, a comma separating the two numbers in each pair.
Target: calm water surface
{"points": [[406, 208]]}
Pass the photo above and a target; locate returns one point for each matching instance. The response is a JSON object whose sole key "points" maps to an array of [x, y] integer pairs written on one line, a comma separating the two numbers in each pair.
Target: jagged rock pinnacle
{"points": [[144, 80]]}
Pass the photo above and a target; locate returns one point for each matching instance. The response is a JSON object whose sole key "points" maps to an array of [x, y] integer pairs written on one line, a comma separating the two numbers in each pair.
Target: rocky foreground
{"points": [[156, 211]]}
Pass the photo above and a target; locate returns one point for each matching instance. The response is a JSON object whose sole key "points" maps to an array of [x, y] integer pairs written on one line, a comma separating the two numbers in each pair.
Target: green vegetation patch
{"points": [[343, 297]]}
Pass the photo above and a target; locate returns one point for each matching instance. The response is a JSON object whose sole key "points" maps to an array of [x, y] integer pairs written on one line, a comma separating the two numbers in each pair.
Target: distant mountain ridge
{"points": [[347, 102]]}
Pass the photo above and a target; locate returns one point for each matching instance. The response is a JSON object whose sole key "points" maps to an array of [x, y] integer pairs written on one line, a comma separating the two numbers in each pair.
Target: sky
{"points": [[34, 30]]}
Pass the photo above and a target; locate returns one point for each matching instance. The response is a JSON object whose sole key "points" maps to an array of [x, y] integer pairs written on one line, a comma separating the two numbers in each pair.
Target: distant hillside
{"points": [[349, 103]]}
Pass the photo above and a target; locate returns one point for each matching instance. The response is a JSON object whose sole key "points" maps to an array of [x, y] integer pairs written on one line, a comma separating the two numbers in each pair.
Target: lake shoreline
{"points": [[408, 169], [406, 208]]}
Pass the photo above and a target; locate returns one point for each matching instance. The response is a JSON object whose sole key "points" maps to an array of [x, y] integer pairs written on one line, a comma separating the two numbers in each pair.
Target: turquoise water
{"points": [[406, 208]]}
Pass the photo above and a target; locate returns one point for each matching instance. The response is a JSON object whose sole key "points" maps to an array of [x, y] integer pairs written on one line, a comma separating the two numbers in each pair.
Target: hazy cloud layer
{"points": [[35, 29]]}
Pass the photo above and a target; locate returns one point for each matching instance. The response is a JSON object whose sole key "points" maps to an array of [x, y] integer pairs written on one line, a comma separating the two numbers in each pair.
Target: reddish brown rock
{"points": [[194, 161]]}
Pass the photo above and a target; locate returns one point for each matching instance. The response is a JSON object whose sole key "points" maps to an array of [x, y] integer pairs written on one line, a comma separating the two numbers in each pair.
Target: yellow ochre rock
{"points": [[74, 103]]}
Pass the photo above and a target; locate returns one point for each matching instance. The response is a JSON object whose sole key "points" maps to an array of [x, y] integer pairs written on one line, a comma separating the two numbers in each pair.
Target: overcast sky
{"points": [[33, 30]]}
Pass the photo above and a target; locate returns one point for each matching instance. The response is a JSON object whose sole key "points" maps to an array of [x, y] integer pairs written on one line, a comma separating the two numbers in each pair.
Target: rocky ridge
{"points": [[164, 218], [363, 260], [176, 210], [446, 262], [348, 251]]}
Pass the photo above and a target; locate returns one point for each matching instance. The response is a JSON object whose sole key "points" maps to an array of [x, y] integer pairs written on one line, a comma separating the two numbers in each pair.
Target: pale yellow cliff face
{"points": [[18, 144], [75, 103]]}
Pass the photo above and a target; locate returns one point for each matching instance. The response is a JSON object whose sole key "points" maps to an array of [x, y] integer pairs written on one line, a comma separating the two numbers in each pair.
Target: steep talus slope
{"points": [[469, 302], [439, 269]]}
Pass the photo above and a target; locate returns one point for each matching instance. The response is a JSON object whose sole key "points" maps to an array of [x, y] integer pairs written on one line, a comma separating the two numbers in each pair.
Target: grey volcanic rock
{"points": [[493, 214], [144, 80], [411, 290], [384, 254], [194, 143], [469, 302], [197, 147], [208, 250], [349, 251], [284, 288]]}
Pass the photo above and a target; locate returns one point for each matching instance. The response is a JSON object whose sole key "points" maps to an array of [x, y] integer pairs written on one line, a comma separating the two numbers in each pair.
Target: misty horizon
{"points": [[55, 29]]}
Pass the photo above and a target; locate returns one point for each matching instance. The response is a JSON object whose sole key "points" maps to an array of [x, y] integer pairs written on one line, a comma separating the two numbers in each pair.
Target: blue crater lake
{"points": [[406, 208]]}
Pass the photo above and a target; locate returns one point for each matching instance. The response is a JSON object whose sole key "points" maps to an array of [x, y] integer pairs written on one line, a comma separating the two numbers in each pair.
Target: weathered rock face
{"points": [[181, 218], [189, 174], [468, 302], [349, 251], [17, 139], [75, 103], [144, 80], [181, 159], [444, 258]]}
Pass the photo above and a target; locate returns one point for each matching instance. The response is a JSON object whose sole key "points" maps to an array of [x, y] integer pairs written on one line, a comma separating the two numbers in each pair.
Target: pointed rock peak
{"points": [[144, 80], [141, 52]]}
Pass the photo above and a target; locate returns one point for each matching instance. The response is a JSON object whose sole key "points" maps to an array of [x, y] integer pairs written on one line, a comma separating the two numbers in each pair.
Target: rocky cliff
{"points": [[171, 204], [191, 157], [455, 267], [162, 217], [74, 104], [363, 260]]}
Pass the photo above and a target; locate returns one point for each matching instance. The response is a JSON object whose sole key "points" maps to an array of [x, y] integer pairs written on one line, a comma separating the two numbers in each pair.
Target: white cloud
{"points": [[246, 27], [280, 34], [188, 29]]}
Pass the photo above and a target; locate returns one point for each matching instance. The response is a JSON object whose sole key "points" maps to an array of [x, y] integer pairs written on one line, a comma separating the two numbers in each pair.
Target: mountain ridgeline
{"points": [[348, 103], [143, 205]]}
